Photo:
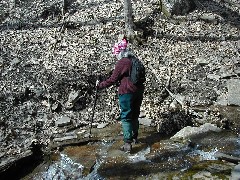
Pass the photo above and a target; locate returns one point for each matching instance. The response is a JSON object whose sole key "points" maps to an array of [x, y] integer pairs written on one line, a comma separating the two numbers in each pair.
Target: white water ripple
{"points": [[210, 155], [140, 156], [64, 169]]}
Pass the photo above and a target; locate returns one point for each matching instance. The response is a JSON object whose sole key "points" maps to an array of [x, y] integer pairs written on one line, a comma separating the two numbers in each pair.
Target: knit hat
{"points": [[122, 45]]}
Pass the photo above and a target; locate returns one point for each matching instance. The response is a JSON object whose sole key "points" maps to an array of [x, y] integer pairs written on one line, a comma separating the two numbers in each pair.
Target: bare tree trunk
{"points": [[63, 6], [128, 19]]}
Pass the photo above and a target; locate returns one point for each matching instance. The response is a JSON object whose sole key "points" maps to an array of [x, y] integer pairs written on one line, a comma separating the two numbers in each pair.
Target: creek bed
{"points": [[157, 158]]}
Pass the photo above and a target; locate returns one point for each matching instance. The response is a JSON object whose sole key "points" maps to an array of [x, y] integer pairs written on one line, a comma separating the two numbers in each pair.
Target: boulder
{"points": [[189, 131]]}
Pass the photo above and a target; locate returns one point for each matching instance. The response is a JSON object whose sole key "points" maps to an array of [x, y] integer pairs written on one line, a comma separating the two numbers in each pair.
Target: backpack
{"points": [[137, 74]]}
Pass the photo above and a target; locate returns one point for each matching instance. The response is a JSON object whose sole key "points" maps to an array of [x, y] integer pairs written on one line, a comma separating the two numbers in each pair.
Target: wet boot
{"points": [[135, 125], [135, 141], [127, 147]]}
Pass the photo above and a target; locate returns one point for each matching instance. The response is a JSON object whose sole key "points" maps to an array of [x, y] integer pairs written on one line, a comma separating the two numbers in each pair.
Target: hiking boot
{"points": [[127, 147], [135, 141]]}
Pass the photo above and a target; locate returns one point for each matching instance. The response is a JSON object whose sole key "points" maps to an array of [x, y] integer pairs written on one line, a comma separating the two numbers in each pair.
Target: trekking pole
{"points": [[94, 105]]}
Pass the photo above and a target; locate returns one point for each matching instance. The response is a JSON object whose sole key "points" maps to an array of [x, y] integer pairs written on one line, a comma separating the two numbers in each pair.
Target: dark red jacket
{"points": [[121, 74]]}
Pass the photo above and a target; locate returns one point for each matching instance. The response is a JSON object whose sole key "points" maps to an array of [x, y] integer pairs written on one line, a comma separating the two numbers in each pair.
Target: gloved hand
{"points": [[97, 83]]}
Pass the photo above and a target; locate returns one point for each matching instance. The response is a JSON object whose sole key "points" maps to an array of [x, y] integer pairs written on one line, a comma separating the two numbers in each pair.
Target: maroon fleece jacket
{"points": [[121, 74]]}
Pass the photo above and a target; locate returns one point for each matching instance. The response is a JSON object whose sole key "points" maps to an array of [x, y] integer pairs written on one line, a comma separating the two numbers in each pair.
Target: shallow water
{"points": [[64, 168], [210, 155], [161, 159], [140, 156]]}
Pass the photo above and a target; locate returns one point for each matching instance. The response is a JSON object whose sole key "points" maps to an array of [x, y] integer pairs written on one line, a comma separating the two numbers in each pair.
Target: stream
{"points": [[155, 157]]}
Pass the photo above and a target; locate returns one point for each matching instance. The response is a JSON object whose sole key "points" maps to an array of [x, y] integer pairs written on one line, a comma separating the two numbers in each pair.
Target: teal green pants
{"points": [[130, 109]]}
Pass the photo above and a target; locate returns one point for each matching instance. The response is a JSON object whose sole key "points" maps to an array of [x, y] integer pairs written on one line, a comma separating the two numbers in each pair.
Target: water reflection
{"points": [[94, 174], [63, 169]]}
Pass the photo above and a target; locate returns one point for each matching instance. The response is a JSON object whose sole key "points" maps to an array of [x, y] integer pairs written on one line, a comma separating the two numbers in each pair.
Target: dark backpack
{"points": [[137, 74]]}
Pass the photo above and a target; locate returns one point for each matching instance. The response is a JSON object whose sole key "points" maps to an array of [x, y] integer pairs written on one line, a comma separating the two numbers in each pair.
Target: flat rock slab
{"points": [[189, 131], [66, 138], [236, 173], [63, 121], [234, 92], [82, 136], [228, 158], [85, 155]]}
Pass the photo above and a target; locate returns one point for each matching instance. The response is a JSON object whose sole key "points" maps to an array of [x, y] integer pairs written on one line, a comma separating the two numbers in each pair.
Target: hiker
{"points": [[130, 95]]}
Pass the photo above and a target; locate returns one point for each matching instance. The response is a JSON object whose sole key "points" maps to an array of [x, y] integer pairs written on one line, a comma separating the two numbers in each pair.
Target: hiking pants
{"points": [[130, 109]]}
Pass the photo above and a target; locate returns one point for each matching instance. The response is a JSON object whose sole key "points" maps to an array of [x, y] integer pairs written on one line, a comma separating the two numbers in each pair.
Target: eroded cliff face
{"points": [[49, 63]]}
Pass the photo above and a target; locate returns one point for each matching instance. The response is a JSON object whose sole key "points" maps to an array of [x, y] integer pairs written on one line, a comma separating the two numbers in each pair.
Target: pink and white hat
{"points": [[122, 45]]}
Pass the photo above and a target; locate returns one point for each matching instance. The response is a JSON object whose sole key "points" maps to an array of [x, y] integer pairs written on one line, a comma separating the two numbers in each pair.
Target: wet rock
{"points": [[228, 158], [85, 155], [202, 175], [189, 132], [235, 172], [209, 170]]}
